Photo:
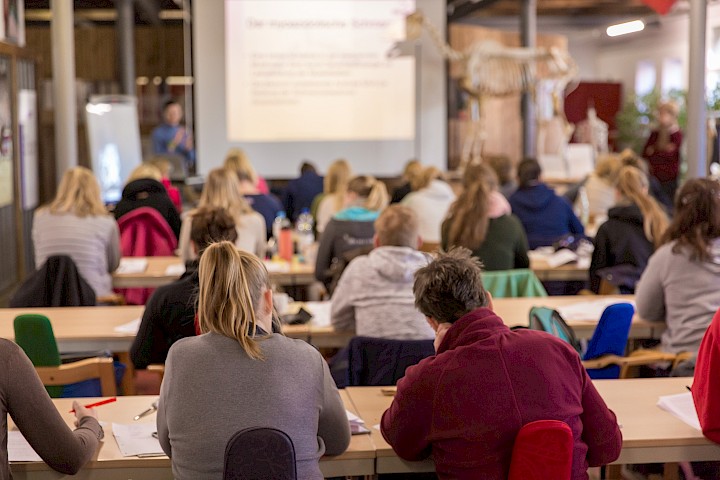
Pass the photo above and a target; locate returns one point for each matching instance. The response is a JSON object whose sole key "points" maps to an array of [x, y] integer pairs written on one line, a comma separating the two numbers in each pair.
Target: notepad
{"points": [[19, 450], [136, 440], [561, 257], [682, 407], [590, 311], [175, 270], [130, 327], [357, 425], [320, 312], [132, 265]]}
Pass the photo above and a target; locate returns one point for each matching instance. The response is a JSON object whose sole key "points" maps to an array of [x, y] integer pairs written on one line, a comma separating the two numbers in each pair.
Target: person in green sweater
{"points": [[481, 220]]}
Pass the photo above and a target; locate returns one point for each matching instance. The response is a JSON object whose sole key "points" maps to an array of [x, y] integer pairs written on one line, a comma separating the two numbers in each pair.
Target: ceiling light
{"points": [[625, 28]]}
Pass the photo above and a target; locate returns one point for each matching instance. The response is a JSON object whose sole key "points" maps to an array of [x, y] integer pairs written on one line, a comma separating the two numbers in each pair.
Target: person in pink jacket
{"points": [[464, 406]]}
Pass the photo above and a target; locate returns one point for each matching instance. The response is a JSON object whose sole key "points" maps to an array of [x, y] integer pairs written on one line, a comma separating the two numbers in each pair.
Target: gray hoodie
{"points": [[683, 293], [374, 296]]}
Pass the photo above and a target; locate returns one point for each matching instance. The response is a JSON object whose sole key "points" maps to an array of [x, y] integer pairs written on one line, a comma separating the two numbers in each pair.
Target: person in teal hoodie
{"points": [[545, 216]]}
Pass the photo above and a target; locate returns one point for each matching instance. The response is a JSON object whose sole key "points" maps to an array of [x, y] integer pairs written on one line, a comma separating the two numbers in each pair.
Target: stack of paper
{"points": [[19, 450], [137, 439], [682, 407], [320, 312], [132, 265], [357, 425], [590, 311], [176, 269], [130, 327]]}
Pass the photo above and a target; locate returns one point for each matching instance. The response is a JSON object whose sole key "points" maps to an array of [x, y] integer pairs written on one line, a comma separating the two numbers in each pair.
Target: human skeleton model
{"points": [[494, 70]]}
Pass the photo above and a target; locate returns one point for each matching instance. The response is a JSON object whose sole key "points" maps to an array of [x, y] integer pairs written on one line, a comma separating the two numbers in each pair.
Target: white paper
{"points": [[320, 312], [357, 425], [19, 450], [277, 267], [682, 407], [136, 439], [130, 327], [561, 257], [132, 265], [590, 311], [175, 270]]}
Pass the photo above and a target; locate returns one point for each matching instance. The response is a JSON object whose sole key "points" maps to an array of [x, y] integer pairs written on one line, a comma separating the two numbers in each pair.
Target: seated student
{"points": [[705, 387], [465, 405], [170, 312], [430, 200], [351, 228], [600, 187], [238, 161], [628, 158], [681, 282], [165, 167], [77, 224], [503, 168], [300, 192], [545, 216], [374, 295], [634, 229], [332, 199], [243, 375], [222, 190], [265, 204], [24, 397], [143, 189], [480, 220], [411, 175]]}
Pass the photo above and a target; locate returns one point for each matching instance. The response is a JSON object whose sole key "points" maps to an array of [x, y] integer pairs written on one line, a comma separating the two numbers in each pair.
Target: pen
{"points": [[147, 412], [97, 404], [689, 389]]}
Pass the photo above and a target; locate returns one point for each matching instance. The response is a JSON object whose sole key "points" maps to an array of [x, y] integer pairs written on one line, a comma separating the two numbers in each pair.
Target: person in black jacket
{"points": [[633, 230], [170, 312], [145, 190]]}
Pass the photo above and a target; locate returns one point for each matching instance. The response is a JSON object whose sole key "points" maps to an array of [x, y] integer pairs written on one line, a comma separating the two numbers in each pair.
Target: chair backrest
{"points": [[543, 450], [34, 334], [379, 361], [429, 247], [520, 282], [610, 337], [260, 454], [57, 283], [550, 321]]}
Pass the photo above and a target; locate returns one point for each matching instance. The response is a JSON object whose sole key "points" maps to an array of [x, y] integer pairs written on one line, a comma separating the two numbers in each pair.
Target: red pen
{"points": [[97, 404]]}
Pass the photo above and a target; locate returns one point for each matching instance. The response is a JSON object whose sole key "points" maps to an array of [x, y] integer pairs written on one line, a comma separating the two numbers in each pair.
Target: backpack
{"points": [[548, 320]]}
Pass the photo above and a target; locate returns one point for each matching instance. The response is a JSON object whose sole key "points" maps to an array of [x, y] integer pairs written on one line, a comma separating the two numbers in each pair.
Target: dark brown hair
{"points": [[450, 286], [696, 222], [528, 171], [211, 224], [502, 166]]}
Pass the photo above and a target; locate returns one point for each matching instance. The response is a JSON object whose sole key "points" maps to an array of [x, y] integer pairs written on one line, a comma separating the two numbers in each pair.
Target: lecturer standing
{"points": [[170, 137]]}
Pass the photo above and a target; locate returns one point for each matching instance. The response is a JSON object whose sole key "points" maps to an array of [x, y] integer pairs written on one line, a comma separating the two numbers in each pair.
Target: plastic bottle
{"points": [[304, 235], [282, 233]]}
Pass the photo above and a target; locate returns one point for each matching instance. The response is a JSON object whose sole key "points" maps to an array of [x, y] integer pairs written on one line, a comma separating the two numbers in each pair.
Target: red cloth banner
{"points": [[660, 6]]}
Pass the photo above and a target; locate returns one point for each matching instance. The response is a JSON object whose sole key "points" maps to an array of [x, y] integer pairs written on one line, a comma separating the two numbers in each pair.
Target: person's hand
{"points": [[440, 332], [82, 412]]}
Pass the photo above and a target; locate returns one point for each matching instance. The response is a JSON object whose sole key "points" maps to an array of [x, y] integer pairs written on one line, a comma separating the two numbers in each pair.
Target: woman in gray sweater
{"points": [[681, 282], [239, 374]]}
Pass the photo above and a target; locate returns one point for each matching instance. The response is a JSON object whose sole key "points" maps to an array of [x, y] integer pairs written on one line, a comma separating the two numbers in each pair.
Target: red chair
{"points": [[542, 450], [144, 232]]}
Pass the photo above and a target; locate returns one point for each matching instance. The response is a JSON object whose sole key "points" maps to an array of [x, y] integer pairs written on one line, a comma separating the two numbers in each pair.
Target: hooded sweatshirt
{"points": [[147, 192], [545, 216], [681, 292], [374, 296], [431, 205], [706, 388]]}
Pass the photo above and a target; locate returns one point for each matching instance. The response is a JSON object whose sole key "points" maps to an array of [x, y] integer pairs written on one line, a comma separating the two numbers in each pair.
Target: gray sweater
{"points": [[684, 294], [212, 389], [374, 296]]}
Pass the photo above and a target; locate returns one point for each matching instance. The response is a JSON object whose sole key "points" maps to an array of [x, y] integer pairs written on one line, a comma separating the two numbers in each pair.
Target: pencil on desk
{"points": [[97, 404]]}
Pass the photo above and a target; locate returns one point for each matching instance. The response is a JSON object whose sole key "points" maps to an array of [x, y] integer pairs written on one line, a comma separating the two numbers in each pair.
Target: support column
{"points": [[696, 109], [528, 37], [126, 45], [62, 32]]}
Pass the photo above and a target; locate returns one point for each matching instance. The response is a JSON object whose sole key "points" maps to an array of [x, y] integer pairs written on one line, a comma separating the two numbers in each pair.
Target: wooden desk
{"points": [[155, 274], [650, 435], [570, 272], [109, 464]]}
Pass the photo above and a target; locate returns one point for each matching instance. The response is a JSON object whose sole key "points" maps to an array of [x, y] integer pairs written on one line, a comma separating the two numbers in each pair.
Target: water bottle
{"points": [[304, 232], [280, 220]]}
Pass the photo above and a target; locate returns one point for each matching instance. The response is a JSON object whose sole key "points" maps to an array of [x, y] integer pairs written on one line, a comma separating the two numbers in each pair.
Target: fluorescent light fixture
{"points": [[625, 28]]}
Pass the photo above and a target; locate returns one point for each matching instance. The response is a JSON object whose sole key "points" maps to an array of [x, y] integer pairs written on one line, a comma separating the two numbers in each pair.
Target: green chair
{"points": [[513, 283], [34, 334]]}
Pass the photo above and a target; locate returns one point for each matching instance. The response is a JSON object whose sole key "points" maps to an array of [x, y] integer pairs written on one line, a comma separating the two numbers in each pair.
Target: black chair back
{"points": [[260, 454], [378, 361]]}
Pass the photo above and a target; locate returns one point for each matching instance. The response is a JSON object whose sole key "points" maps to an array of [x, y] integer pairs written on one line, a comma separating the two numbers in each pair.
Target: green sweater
{"points": [[505, 246]]}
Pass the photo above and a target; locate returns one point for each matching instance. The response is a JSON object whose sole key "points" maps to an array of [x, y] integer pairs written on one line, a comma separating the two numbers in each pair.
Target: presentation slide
{"points": [[317, 70]]}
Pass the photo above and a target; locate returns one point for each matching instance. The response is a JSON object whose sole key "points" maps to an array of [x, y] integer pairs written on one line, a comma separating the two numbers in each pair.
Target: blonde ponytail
{"points": [[633, 184], [232, 283], [371, 191]]}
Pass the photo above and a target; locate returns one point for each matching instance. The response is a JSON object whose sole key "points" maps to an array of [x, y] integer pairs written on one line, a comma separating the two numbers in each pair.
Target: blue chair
{"points": [[260, 454], [548, 320], [380, 362], [610, 338]]}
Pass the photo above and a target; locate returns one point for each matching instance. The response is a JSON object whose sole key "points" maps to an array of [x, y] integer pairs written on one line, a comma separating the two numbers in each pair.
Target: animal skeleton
{"points": [[494, 70]]}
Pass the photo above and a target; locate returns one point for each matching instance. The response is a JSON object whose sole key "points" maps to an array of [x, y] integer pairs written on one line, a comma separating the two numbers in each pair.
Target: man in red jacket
{"points": [[465, 405]]}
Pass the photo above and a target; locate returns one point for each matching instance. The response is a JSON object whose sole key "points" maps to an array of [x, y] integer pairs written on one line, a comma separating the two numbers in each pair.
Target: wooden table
{"points": [[570, 272], [109, 464], [155, 275], [650, 435]]}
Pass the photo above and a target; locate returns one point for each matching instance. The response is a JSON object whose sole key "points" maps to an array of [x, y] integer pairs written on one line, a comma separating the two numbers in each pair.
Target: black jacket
{"points": [[620, 241], [169, 316], [57, 283], [146, 192]]}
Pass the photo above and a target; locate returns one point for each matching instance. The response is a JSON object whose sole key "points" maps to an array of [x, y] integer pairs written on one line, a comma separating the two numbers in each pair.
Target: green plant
{"points": [[635, 119]]}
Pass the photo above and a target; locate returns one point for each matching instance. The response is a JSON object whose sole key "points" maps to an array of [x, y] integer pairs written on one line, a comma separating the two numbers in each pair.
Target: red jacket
{"points": [[465, 405], [664, 164], [706, 388]]}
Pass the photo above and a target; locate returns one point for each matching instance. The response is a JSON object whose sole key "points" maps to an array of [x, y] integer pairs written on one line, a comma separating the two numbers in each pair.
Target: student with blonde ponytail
{"points": [[352, 228], [239, 374], [480, 221], [335, 185], [633, 231]]}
